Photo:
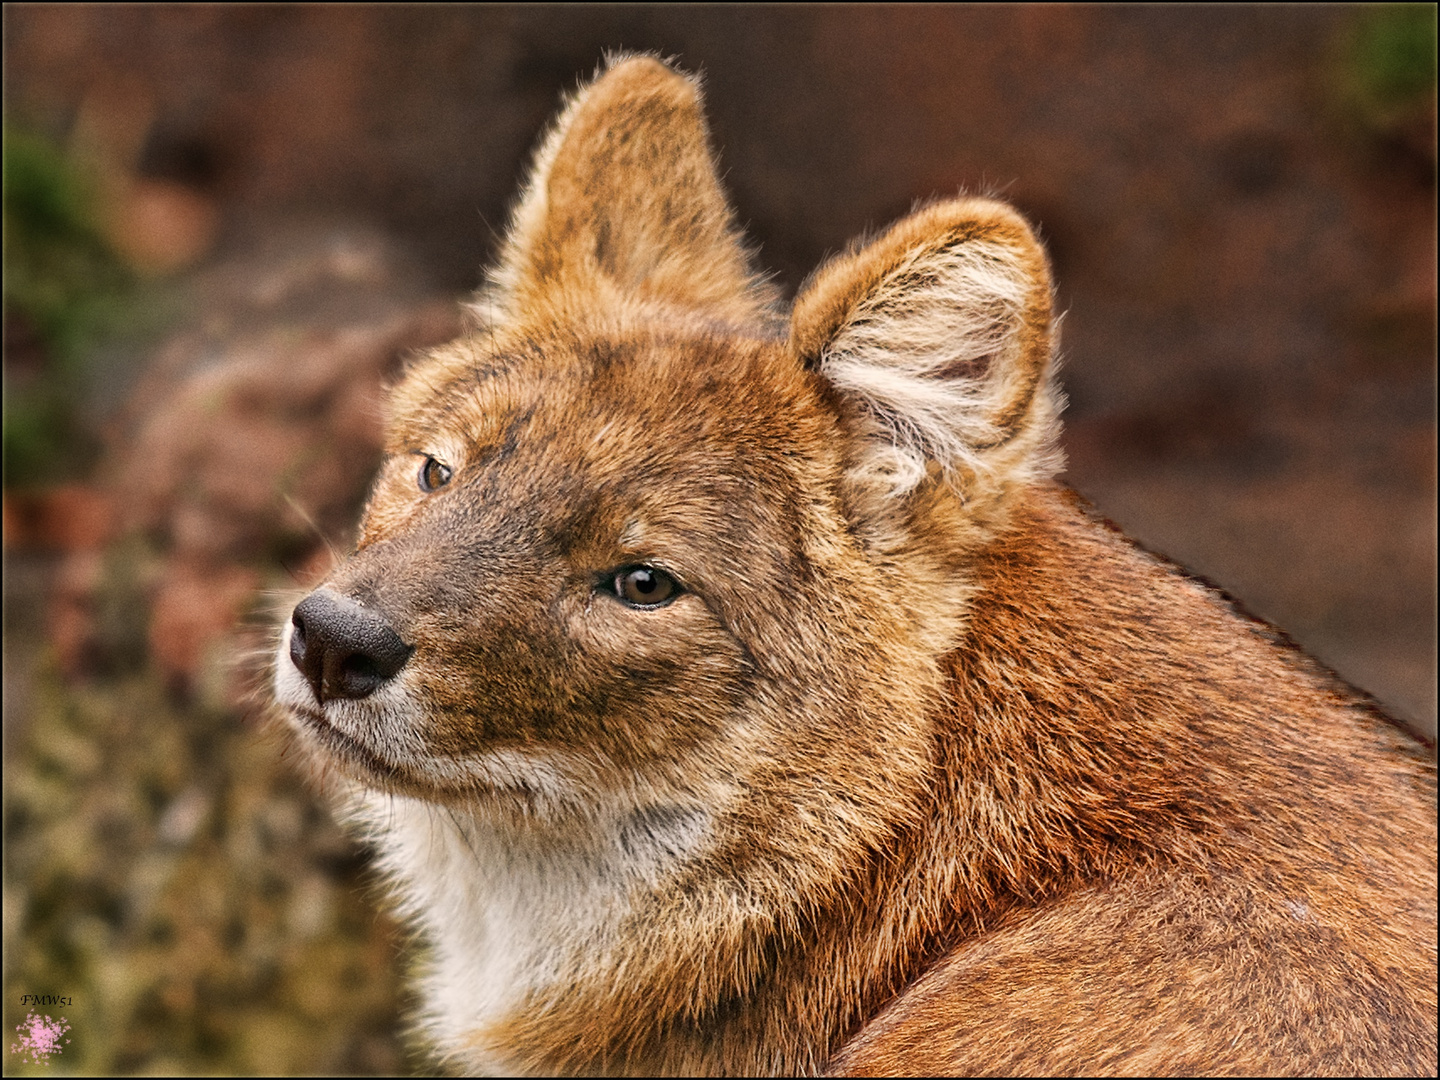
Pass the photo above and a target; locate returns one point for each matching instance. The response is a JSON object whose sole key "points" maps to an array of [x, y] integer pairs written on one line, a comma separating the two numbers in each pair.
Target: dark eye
{"points": [[644, 586], [433, 474]]}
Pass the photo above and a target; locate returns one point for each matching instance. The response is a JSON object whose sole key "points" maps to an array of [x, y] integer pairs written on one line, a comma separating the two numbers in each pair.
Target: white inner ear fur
{"points": [[934, 353]]}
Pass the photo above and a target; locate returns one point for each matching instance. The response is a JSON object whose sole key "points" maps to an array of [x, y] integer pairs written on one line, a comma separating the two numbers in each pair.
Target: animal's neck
{"points": [[1076, 741], [1074, 748], [504, 909]]}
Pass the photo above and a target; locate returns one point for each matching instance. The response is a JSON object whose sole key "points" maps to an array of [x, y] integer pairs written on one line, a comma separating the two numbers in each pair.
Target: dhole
{"points": [[733, 690]]}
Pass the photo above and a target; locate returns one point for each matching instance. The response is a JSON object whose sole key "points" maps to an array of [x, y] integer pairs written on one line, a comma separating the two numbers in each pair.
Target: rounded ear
{"points": [[624, 199], [940, 331]]}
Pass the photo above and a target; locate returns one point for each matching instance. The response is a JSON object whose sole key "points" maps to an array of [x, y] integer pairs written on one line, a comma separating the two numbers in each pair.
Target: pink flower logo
{"points": [[39, 1038]]}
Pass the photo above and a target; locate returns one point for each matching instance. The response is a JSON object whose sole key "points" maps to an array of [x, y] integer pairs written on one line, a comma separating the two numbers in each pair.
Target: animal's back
{"points": [[1251, 892]]}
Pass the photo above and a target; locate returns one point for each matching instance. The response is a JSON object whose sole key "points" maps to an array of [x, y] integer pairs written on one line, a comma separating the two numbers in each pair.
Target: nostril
{"points": [[297, 642], [359, 667], [300, 656], [360, 675]]}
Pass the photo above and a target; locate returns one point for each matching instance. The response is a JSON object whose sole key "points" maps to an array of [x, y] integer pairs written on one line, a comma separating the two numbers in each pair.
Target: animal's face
{"points": [[640, 547], [589, 545]]}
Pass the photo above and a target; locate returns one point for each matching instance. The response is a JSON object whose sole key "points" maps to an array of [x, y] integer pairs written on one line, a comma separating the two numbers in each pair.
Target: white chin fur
{"points": [[508, 907]]}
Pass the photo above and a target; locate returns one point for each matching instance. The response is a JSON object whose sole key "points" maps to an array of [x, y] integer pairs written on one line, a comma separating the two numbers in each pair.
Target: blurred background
{"points": [[225, 226]]}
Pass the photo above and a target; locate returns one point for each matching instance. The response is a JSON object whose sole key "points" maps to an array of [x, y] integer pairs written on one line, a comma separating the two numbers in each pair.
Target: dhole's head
{"points": [[646, 544]]}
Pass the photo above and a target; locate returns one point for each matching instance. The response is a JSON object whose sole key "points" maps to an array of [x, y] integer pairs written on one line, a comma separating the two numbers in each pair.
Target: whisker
{"points": [[304, 516]]}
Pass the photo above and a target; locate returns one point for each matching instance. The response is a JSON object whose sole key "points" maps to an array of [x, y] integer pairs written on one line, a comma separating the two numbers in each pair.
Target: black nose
{"points": [[343, 649]]}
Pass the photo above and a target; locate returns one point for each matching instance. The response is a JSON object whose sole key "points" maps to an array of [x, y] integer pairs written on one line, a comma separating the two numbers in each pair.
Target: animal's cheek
{"points": [[621, 684], [679, 661], [602, 625]]}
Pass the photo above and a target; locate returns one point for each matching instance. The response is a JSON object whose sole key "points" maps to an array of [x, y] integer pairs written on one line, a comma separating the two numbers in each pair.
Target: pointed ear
{"points": [[939, 333], [624, 199]]}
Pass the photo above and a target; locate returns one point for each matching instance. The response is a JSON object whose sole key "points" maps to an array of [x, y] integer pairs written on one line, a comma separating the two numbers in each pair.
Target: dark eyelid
{"points": [[638, 564]]}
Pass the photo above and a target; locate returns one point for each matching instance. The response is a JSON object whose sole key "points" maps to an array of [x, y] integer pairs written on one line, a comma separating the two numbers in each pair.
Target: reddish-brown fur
{"points": [[1202, 853], [922, 770]]}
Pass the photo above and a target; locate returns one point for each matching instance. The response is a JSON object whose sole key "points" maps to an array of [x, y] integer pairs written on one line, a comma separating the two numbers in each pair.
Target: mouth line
{"points": [[350, 750], [345, 746]]}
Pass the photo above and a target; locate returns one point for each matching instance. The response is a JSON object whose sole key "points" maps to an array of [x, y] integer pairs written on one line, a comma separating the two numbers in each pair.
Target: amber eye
{"points": [[433, 474], [644, 586]]}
